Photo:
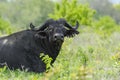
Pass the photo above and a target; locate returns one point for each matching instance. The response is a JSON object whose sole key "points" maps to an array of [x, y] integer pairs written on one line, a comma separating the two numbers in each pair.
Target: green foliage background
{"points": [[94, 54], [4, 27], [72, 12]]}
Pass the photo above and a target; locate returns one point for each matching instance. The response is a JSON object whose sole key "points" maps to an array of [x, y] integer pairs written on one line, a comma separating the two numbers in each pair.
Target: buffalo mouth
{"points": [[58, 42]]}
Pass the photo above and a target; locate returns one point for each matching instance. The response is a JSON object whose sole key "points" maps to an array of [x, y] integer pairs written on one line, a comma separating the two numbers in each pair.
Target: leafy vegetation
{"points": [[88, 56], [4, 27], [47, 60], [73, 11], [105, 26]]}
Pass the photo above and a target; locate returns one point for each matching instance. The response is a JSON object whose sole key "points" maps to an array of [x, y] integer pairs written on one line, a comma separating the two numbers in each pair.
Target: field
{"points": [[88, 56], [94, 54]]}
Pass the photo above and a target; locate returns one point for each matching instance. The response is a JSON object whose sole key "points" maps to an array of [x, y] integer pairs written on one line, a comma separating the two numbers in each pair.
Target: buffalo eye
{"points": [[41, 34]]}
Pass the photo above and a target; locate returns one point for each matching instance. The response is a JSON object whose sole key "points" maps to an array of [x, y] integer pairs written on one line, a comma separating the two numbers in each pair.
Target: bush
{"points": [[105, 26], [4, 27], [72, 11]]}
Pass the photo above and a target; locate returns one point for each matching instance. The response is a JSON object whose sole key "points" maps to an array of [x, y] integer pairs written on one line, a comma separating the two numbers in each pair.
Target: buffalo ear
{"points": [[41, 34], [71, 33], [32, 27]]}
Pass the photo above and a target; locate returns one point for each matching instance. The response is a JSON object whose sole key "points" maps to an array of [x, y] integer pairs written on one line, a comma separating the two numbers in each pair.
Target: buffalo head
{"points": [[56, 30]]}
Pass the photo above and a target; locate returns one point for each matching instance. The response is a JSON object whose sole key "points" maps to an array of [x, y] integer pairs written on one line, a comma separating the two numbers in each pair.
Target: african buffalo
{"points": [[21, 50]]}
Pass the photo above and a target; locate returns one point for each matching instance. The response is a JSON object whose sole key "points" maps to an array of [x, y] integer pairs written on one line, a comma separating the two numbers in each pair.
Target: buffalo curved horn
{"points": [[63, 21], [46, 24], [77, 25], [32, 27]]}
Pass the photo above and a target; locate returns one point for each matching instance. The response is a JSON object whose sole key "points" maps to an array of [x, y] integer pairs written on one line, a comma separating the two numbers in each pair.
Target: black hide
{"points": [[21, 50]]}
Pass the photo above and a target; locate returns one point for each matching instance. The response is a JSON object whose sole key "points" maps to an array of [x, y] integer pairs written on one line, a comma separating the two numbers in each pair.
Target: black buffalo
{"points": [[21, 50]]}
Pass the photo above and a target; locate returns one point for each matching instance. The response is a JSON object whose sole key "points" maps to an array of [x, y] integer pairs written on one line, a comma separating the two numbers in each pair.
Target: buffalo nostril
{"points": [[62, 36], [55, 36], [58, 37]]}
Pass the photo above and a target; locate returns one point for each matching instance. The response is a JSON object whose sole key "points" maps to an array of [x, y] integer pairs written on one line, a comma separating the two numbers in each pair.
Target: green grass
{"points": [[86, 57]]}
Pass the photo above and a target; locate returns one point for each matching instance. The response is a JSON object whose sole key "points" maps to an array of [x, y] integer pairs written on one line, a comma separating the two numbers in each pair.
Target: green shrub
{"points": [[4, 27], [72, 11], [46, 59], [105, 25]]}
